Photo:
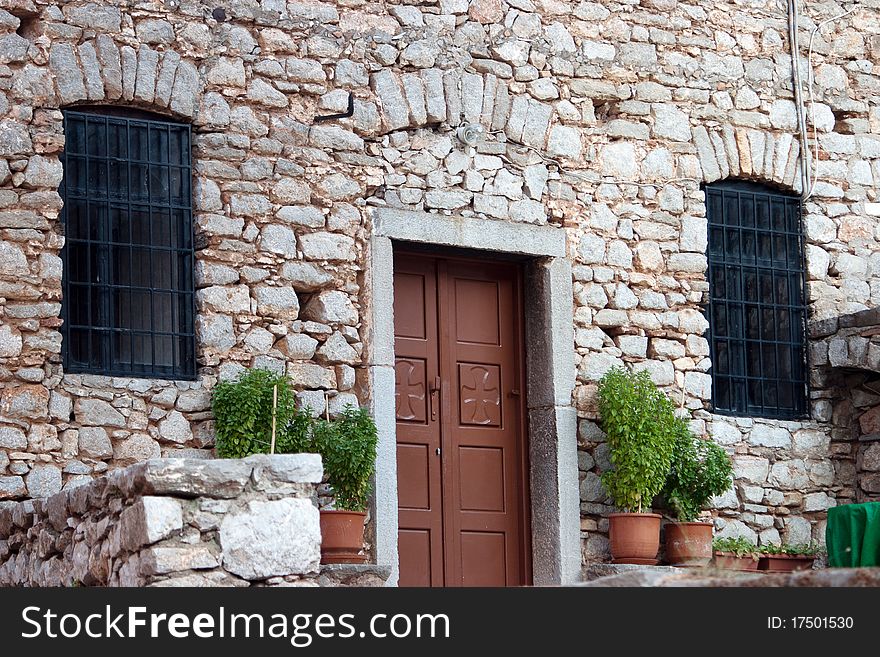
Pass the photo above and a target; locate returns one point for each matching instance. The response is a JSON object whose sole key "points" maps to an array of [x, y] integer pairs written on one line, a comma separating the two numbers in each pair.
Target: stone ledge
{"points": [[623, 575], [597, 570], [824, 328], [176, 522], [345, 574], [619, 575], [216, 478], [331, 575], [470, 232], [858, 577], [861, 319], [221, 478]]}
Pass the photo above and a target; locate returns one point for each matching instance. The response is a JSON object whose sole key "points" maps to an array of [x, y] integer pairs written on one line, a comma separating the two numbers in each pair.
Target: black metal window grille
{"points": [[757, 309], [128, 304]]}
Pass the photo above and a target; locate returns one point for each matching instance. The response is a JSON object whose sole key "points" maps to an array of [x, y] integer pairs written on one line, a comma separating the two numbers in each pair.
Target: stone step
{"points": [[597, 570], [624, 575], [616, 575]]}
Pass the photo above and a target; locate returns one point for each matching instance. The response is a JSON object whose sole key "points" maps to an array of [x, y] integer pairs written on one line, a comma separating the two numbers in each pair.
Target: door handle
{"points": [[435, 392]]}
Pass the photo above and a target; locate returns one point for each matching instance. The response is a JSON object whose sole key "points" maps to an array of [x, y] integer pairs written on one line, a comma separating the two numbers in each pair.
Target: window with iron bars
{"points": [[757, 307], [128, 300]]}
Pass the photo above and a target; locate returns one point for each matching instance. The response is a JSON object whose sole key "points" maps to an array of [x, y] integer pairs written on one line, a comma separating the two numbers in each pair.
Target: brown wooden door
{"points": [[460, 446]]}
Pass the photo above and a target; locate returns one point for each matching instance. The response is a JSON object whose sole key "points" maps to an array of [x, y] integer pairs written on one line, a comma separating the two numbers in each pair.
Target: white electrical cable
{"points": [[809, 165], [812, 95], [794, 48]]}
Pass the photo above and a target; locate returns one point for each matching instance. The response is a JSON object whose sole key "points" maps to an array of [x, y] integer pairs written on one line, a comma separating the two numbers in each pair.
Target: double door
{"points": [[461, 457]]}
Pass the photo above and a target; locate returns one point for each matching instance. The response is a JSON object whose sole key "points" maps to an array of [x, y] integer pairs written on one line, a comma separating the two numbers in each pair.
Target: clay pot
{"points": [[785, 563], [635, 537], [688, 543], [729, 561], [342, 537]]}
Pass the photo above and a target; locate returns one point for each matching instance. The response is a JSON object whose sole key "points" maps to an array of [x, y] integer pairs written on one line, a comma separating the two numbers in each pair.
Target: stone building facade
{"points": [[578, 135]]}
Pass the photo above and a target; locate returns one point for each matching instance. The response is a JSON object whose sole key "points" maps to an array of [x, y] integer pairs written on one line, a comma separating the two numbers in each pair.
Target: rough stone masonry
{"points": [[177, 522], [600, 117]]}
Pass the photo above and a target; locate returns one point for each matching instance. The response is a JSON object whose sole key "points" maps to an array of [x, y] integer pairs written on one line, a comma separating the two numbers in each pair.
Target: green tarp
{"points": [[852, 536]]}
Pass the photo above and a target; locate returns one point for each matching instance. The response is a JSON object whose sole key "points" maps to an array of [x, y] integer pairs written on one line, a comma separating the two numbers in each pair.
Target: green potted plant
{"points": [[735, 554], [244, 410], [259, 407], [787, 558], [700, 469], [347, 446], [640, 425]]}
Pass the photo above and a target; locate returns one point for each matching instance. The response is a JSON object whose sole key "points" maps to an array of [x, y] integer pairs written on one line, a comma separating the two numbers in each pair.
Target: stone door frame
{"points": [[550, 374]]}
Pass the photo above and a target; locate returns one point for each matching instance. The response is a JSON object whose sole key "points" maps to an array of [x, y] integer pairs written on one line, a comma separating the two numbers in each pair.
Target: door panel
{"points": [[483, 556], [476, 311], [462, 506], [420, 538], [414, 490], [481, 351], [481, 482], [415, 547], [410, 287]]}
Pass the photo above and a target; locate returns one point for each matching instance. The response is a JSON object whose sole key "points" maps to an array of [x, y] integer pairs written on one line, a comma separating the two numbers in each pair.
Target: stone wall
{"points": [[177, 522], [847, 350], [603, 118], [276, 254]]}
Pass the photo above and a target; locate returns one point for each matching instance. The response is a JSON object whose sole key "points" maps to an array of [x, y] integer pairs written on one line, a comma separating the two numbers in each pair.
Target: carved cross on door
{"points": [[480, 394], [409, 390]]}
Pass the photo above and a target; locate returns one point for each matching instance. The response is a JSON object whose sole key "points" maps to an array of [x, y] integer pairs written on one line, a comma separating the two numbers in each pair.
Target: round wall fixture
{"points": [[470, 134]]}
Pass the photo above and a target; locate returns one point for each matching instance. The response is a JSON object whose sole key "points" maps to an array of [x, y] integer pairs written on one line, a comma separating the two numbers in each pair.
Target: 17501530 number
{"points": [[810, 623], [821, 622]]}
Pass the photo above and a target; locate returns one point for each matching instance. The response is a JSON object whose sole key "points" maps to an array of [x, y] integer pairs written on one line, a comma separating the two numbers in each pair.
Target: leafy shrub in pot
{"points": [[347, 445], [243, 411], [640, 425], [700, 470]]}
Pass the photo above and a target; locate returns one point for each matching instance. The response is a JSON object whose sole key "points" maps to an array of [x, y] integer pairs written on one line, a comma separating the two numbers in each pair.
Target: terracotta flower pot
{"points": [[688, 543], [729, 561], [635, 537], [342, 537], [785, 563]]}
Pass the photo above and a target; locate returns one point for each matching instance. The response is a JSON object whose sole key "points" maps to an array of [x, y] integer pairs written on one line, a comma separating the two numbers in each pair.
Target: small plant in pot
{"points": [[735, 553], [347, 445], [257, 414], [639, 423], [787, 558], [700, 470]]}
